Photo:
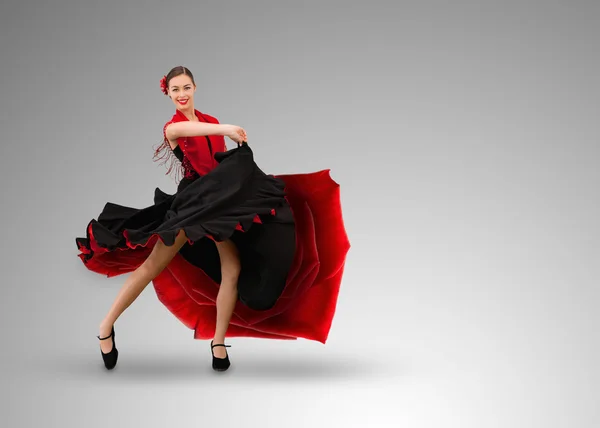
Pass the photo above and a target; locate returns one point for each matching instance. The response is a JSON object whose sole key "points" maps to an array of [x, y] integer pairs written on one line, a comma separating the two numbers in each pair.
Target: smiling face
{"points": [[181, 91]]}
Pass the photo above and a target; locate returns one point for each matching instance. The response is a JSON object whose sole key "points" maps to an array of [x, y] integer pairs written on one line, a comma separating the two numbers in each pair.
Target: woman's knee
{"points": [[230, 271], [230, 261], [162, 254]]}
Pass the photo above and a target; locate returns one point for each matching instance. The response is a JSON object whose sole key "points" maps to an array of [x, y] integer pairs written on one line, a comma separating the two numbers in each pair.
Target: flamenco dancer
{"points": [[234, 251]]}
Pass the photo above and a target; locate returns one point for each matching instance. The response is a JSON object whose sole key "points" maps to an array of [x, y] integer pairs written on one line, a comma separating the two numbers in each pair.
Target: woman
{"points": [[229, 225]]}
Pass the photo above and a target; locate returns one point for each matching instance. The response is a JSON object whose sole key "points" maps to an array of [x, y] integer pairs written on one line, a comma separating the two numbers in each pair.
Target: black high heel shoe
{"points": [[110, 359], [219, 364]]}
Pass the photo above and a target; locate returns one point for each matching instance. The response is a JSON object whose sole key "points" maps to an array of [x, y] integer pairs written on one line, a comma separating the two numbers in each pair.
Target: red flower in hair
{"points": [[163, 85]]}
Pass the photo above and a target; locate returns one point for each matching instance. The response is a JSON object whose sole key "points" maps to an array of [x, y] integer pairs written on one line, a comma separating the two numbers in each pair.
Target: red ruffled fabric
{"points": [[308, 303]]}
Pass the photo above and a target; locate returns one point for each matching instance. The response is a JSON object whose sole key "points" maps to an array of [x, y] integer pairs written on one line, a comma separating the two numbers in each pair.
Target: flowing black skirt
{"points": [[235, 201]]}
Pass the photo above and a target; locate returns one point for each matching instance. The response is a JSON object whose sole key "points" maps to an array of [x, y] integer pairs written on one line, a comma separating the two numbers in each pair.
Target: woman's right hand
{"points": [[236, 133]]}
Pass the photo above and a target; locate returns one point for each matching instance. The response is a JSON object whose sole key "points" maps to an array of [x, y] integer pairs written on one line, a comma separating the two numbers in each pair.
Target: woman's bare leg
{"points": [[158, 259], [227, 295]]}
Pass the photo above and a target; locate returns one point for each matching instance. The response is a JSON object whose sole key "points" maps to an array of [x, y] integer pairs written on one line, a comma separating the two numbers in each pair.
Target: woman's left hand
{"points": [[236, 133]]}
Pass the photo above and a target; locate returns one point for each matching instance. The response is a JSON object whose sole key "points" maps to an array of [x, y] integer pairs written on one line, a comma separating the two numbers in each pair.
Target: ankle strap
{"points": [[112, 332], [220, 344]]}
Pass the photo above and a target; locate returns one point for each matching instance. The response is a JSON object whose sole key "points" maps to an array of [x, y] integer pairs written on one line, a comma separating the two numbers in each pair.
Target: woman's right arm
{"points": [[200, 129]]}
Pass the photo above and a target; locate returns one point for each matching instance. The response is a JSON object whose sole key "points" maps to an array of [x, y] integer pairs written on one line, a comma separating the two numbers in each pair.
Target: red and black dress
{"points": [[288, 230]]}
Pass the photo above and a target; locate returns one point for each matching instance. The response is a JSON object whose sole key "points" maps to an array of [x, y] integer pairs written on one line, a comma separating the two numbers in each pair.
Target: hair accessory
{"points": [[163, 85]]}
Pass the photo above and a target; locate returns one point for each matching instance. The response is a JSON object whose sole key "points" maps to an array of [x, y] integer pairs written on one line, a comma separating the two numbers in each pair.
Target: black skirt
{"points": [[235, 201]]}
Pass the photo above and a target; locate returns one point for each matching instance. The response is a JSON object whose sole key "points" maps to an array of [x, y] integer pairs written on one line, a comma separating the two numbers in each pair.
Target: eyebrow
{"points": [[188, 84]]}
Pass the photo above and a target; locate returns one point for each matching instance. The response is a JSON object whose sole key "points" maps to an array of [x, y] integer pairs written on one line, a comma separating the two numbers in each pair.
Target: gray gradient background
{"points": [[463, 136]]}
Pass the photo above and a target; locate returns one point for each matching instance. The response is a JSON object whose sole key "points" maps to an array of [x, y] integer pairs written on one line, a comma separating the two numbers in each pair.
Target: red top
{"points": [[199, 151]]}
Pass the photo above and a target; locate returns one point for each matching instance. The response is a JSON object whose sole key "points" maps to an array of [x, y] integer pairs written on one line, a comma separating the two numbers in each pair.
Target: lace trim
{"points": [[188, 170]]}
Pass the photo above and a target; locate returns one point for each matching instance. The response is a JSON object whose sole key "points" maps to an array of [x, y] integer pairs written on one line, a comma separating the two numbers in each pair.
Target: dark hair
{"points": [[163, 151], [178, 71]]}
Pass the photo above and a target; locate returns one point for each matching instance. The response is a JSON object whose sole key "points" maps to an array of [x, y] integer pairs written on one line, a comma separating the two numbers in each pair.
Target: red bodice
{"points": [[198, 152]]}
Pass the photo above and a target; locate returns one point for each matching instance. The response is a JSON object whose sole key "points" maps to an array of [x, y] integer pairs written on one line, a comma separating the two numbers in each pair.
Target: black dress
{"points": [[236, 201]]}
